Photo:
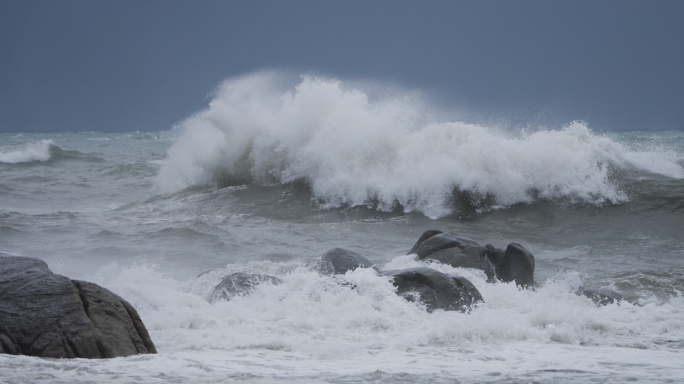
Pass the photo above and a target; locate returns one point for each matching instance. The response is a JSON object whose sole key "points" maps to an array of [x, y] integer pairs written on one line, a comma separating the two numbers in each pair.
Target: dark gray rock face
{"points": [[599, 296], [515, 264], [426, 235], [338, 261], [441, 241], [436, 290], [48, 315], [240, 283]]}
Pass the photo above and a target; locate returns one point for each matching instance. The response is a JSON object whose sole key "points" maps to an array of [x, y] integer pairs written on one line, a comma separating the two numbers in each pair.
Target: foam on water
{"points": [[357, 148], [313, 327], [26, 152]]}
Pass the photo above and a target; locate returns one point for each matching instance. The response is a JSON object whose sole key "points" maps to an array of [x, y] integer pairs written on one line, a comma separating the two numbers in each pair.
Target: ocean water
{"points": [[275, 172]]}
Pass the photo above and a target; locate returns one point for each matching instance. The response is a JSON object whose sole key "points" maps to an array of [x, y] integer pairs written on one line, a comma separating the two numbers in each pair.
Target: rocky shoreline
{"points": [[48, 315]]}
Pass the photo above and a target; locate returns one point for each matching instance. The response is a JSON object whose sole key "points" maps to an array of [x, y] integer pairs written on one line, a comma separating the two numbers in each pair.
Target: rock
{"points": [[436, 290], [338, 261], [600, 296], [240, 283], [426, 235], [466, 256], [515, 264], [48, 315], [439, 242]]}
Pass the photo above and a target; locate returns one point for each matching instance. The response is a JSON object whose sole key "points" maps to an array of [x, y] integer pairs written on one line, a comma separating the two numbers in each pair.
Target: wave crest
{"points": [[26, 152], [357, 149]]}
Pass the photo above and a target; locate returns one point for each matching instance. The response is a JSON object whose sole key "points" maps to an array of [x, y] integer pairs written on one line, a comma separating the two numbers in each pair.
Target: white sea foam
{"points": [[317, 316], [312, 327], [355, 149], [25, 152]]}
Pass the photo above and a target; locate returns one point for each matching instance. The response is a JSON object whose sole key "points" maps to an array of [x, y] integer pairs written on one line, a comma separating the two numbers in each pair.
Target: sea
{"points": [[275, 171]]}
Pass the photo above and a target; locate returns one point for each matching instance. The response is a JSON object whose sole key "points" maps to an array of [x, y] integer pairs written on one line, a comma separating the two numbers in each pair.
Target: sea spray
{"points": [[26, 152], [353, 149]]}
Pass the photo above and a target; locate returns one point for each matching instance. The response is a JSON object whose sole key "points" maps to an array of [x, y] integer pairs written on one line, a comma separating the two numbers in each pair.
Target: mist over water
{"points": [[275, 172]]}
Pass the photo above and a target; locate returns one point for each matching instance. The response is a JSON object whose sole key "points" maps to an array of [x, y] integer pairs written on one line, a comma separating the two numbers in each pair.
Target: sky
{"points": [[123, 65]]}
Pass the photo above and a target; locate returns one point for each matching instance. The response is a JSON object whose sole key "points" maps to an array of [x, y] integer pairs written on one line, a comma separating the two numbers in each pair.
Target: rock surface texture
{"points": [[434, 289], [338, 261], [514, 264], [48, 315], [240, 283]]}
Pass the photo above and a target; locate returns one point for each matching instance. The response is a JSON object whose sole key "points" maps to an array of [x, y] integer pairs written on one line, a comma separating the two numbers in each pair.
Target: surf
{"points": [[357, 147]]}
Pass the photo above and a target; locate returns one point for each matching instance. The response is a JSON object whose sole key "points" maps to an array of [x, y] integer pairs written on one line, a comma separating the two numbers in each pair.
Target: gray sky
{"points": [[143, 65]]}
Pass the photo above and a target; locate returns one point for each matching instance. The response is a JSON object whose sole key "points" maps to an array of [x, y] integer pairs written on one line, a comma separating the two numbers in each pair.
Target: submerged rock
{"points": [[600, 296], [48, 315], [515, 264], [338, 261], [436, 290], [241, 282]]}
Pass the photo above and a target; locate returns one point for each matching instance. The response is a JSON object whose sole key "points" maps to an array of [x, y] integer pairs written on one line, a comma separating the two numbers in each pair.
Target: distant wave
{"points": [[26, 152], [358, 149]]}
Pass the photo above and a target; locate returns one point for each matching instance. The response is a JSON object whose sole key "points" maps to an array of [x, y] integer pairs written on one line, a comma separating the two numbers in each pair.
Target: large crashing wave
{"points": [[357, 149]]}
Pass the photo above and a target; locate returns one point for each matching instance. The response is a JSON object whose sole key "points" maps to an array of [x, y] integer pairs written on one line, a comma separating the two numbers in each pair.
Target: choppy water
{"points": [[271, 175]]}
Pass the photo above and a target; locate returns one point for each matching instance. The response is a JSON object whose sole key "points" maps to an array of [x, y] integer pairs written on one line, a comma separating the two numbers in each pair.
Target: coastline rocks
{"points": [[239, 283], [514, 264], [48, 315], [338, 261], [436, 290]]}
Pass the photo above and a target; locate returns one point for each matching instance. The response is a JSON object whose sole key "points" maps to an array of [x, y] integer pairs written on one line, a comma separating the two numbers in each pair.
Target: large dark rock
{"points": [[338, 261], [426, 235], [48, 315], [439, 242], [515, 264], [600, 296], [434, 289], [241, 282]]}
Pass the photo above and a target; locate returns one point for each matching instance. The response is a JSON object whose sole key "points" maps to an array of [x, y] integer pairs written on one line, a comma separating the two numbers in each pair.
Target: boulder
{"points": [[515, 264], [48, 315], [338, 261], [434, 289], [240, 283], [439, 242], [426, 235], [600, 296]]}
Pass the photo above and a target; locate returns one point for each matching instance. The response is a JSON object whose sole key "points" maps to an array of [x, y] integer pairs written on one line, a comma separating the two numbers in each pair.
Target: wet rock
{"points": [[515, 264], [338, 261], [426, 235], [439, 242], [241, 282], [466, 256], [436, 290], [600, 296], [48, 315]]}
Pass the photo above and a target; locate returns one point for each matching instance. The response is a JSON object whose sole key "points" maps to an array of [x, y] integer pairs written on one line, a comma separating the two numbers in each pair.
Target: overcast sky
{"points": [[144, 65]]}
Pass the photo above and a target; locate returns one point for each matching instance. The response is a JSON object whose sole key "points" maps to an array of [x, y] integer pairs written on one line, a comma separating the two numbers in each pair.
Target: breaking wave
{"points": [[26, 152], [354, 147]]}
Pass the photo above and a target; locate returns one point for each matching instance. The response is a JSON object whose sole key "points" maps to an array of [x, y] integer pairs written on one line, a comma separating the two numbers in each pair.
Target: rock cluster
{"points": [[48, 315], [514, 264], [434, 289]]}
